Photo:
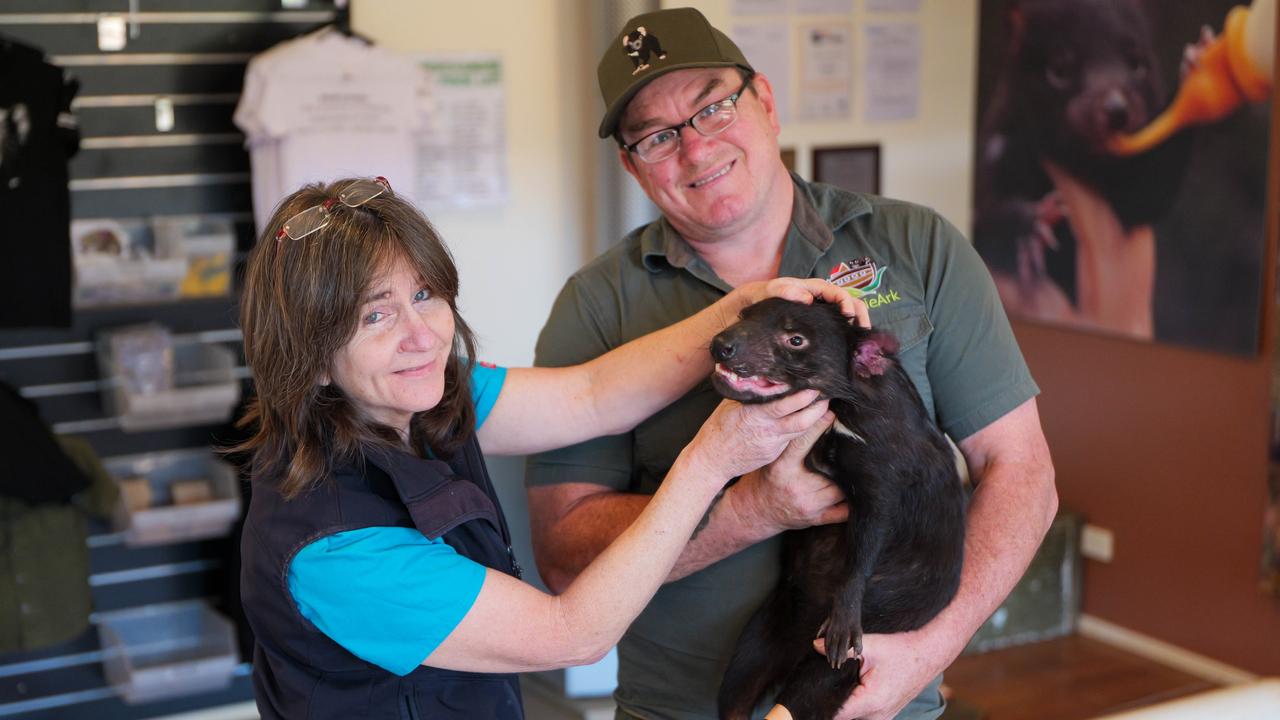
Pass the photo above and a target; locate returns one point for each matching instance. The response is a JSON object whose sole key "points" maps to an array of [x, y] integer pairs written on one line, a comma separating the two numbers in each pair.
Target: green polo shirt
{"points": [[921, 280]]}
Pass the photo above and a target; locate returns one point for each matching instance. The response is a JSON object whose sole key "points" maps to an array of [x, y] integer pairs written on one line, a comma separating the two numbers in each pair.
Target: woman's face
{"points": [[394, 365]]}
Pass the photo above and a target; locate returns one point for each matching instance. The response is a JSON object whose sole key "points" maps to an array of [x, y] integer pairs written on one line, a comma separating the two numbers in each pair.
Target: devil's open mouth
{"points": [[750, 384]]}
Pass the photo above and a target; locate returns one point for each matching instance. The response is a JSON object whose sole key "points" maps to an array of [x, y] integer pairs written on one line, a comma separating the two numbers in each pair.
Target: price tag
{"points": [[112, 33], [164, 114]]}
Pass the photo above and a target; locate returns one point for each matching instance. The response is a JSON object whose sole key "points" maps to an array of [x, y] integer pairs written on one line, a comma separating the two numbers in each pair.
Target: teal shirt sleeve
{"points": [[388, 595], [486, 383]]}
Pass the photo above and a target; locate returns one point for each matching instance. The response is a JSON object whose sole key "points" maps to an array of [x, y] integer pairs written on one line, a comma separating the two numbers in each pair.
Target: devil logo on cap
{"points": [[639, 45]]}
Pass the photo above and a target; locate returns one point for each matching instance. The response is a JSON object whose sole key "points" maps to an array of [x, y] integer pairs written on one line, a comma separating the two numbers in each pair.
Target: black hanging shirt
{"points": [[38, 134]]}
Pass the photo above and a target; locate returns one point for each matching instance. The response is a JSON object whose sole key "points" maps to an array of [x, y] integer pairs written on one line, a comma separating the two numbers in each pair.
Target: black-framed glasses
{"points": [[710, 120], [317, 217]]}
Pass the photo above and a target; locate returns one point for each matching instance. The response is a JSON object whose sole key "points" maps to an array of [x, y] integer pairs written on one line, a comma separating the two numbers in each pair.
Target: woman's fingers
{"points": [[806, 290], [824, 291], [741, 438], [803, 419], [791, 404]]}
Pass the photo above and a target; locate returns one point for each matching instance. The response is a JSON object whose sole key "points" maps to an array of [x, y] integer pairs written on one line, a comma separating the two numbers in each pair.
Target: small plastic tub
{"points": [[162, 521], [164, 651]]}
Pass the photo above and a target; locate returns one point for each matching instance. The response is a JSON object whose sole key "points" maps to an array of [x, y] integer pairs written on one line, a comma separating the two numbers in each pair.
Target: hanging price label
{"points": [[112, 33], [164, 114]]}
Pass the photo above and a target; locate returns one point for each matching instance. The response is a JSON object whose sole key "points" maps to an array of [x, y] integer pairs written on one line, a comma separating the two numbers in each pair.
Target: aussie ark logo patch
{"points": [[863, 279]]}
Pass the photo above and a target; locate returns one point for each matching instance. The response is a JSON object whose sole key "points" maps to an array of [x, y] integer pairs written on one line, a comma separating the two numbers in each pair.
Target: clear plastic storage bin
{"points": [[201, 389], [164, 651], [164, 522], [207, 244], [116, 263]]}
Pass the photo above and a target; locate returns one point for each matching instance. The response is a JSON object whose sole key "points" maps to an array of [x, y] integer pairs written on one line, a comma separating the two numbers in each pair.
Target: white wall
{"points": [[513, 259], [927, 160]]}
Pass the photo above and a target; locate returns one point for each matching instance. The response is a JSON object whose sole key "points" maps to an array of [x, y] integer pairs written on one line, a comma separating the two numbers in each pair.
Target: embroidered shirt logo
{"points": [[863, 279], [640, 46]]}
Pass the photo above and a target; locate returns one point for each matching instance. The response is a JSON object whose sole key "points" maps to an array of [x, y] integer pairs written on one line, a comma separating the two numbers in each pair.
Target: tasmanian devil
{"points": [[896, 562], [1074, 74]]}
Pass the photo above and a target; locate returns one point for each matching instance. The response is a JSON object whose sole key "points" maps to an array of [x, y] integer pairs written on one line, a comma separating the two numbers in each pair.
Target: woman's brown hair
{"points": [[301, 304]]}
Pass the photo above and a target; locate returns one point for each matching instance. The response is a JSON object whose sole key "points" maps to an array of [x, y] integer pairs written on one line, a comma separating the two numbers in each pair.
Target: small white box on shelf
{"points": [[163, 521], [157, 382], [167, 650]]}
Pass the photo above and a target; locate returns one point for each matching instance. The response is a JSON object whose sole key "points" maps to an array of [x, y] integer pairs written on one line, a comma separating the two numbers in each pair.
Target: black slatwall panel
{"points": [[215, 157], [67, 682], [182, 317], [221, 197], [82, 38], [120, 6], [205, 118], [224, 76]]}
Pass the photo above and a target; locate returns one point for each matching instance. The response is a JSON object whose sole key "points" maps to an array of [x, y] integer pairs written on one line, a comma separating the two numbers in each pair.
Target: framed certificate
{"points": [[851, 167]]}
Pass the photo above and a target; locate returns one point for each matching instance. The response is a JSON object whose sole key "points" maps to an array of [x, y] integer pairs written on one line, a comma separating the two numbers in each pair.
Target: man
{"points": [[698, 130]]}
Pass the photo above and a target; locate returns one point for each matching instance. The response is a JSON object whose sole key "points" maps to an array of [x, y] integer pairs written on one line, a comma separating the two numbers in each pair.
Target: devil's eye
{"points": [[1062, 70], [797, 341], [1138, 64]]}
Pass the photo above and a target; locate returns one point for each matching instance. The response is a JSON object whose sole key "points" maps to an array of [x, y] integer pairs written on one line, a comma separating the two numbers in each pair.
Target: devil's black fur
{"points": [[896, 563]]}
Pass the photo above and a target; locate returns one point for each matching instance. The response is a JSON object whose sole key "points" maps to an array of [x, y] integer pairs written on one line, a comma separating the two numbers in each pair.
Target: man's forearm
{"points": [[597, 520]]}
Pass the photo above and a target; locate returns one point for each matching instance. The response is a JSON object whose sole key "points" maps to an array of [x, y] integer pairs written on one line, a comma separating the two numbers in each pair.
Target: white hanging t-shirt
{"points": [[326, 106]]}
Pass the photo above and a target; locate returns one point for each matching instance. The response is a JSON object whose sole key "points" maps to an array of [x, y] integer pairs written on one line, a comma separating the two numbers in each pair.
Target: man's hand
{"points": [[895, 669], [785, 495]]}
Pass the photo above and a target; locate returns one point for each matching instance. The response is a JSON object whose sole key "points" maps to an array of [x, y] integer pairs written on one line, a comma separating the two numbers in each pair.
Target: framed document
{"points": [[851, 167]]}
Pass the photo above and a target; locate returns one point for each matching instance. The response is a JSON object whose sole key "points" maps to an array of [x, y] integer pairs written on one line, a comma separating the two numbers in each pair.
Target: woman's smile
{"points": [[417, 371]]}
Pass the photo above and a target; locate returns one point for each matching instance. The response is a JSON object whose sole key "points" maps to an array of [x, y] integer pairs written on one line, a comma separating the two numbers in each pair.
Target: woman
{"points": [[377, 569]]}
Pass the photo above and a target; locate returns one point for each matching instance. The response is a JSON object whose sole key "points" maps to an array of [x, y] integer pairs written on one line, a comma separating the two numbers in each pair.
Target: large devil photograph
{"points": [[1121, 165]]}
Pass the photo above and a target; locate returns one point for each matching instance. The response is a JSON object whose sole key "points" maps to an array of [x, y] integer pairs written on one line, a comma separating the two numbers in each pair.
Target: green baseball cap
{"points": [[654, 44]]}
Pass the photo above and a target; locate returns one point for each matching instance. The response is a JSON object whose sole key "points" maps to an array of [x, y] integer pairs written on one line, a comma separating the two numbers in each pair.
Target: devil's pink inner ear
{"points": [[870, 357], [888, 343]]}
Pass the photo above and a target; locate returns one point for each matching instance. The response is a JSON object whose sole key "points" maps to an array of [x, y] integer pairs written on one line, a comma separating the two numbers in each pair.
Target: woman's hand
{"points": [[801, 290], [739, 438]]}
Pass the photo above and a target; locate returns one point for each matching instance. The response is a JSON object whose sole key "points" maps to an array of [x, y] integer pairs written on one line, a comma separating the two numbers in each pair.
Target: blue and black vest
{"points": [[298, 672]]}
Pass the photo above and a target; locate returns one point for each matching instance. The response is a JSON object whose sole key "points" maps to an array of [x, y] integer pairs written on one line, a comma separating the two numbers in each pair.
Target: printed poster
{"points": [[760, 7], [892, 72], [826, 72], [768, 45], [462, 157]]}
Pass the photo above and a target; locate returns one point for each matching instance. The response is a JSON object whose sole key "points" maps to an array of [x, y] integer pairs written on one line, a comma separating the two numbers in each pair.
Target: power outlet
{"points": [[1097, 543]]}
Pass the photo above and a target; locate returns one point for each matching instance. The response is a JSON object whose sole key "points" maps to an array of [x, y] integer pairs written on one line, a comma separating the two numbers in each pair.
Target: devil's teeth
{"points": [[733, 376]]}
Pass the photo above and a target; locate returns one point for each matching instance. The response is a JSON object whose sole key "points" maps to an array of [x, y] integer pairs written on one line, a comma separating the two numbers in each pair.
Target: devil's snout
{"points": [[723, 348]]}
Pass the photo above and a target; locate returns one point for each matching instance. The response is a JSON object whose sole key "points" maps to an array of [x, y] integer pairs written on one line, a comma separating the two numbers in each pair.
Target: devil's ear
{"points": [[1016, 20], [870, 357]]}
